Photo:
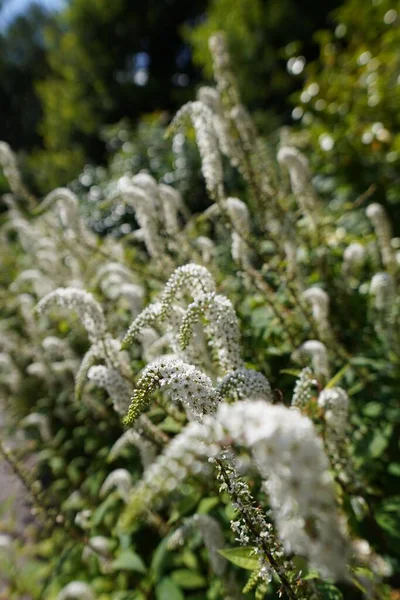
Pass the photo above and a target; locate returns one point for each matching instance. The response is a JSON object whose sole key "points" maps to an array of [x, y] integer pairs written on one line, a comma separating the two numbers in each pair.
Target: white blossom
{"points": [[130, 437], [319, 301], [353, 257], [117, 387], [183, 382], [207, 141], [318, 353], [245, 383], [382, 288], [88, 309], [300, 178], [76, 590], [120, 479], [377, 215], [289, 456]]}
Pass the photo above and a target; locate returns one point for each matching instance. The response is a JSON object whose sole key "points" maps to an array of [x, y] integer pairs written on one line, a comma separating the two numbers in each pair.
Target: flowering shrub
{"points": [[211, 394]]}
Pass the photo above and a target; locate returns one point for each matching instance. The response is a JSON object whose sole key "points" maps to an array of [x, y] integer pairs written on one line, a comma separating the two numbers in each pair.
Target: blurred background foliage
{"points": [[95, 62]]}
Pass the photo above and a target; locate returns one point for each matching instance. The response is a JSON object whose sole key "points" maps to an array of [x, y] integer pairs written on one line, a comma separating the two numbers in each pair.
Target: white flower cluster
{"points": [[222, 329], [201, 118], [289, 456], [116, 281], [120, 479], [117, 387], [319, 301], [8, 162], [146, 212], [76, 590], [377, 215], [68, 208], [300, 178], [212, 535], [304, 389], [383, 289], [353, 257], [240, 219], [183, 382], [89, 311], [245, 383], [147, 450], [318, 353]]}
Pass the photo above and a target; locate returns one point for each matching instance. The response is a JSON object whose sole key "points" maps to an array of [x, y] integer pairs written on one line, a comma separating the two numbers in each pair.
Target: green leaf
{"points": [[168, 590], [328, 591], [336, 378], [208, 504], [373, 409], [129, 561], [394, 469], [241, 557], [293, 372], [380, 440], [188, 580]]}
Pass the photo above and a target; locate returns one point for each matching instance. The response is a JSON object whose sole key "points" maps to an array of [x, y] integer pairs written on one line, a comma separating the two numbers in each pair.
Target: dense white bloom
{"points": [[245, 383], [100, 547], [117, 387], [377, 215], [130, 437], [289, 456], [146, 212], [304, 389], [56, 347], [222, 329], [8, 162], [88, 309], [207, 141], [76, 590], [318, 353], [120, 479], [300, 178], [183, 382], [382, 288], [142, 323], [227, 143], [353, 257], [335, 403], [171, 203], [190, 279], [206, 247], [68, 208], [40, 421], [240, 219], [212, 535], [36, 280], [83, 518], [319, 301]]}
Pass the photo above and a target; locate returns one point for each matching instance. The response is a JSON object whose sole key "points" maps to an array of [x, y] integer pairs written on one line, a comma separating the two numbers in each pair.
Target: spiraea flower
{"points": [[146, 319], [41, 422], [353, 257], [240, 219], [319, 301], [206, 247], [300, 178], [183, 382], [76, 590], [377, 215], [68, 208], [289, 456], [304, 389], [8, 162], [146, 212], [88, 309], [171, 206], [245, 383], [117, 387], [383, 290], [212, 535], [201, 118], [318, 353], [222, 329], [120, 479], [191, 279], [130, 437], [335, 404]]}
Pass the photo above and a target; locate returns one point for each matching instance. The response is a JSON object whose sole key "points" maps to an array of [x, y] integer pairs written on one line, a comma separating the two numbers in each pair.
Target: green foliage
{"points": [[349, 103]]}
